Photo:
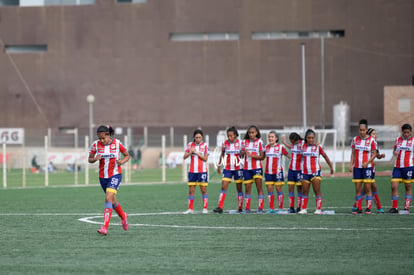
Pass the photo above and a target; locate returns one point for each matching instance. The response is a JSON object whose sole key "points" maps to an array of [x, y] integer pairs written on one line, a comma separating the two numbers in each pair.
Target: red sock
{"points": [[222, 197], [191, 202], [369, 202], [407, 204], [291, 201], [318, 203], [119, 211], [247, 201], [271, 199], [299, 200], [240, 200], [305, 202], [280, 198], [359, 204], [205, 201], [107, 217], [377, 201], [261, 201], [394, 203]]}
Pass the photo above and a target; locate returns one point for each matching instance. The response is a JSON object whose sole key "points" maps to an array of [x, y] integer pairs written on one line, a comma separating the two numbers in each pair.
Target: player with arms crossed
{"points": [[311, 172], [295, 170], [403, 168], [364, 151], [253, 152], [108, 150], [230, 158], [198, 174], [274, 171]]}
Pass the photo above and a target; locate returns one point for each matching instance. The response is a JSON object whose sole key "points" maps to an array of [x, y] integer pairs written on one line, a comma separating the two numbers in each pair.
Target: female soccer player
{"points": [[403, 168], [364, 151], [253, 152], [274, 171], [373, 133], [311, 171], [295, 171], [198, 174], [230, 158], [107, 150]]}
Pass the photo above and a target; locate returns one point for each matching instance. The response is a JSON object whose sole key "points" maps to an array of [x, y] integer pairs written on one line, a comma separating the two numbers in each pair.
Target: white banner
{"points": [[12, 135]]}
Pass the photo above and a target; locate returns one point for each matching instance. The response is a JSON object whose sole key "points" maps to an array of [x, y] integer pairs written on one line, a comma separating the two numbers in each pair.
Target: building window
{"points": [[34, 3], [131, 1], [297, 35], [227, 36], [25, 49], [404, 105]]}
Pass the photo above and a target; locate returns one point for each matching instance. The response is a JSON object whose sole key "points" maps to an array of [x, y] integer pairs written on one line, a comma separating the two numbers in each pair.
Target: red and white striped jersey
{"points": [[405, 149], [363, 150], [231, 151], [109, 154], [255, 147], [197, 165], [296, 158], [311, 156], [274, 158]]}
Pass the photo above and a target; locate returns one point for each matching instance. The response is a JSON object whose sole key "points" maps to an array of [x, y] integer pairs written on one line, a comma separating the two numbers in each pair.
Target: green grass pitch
{"points": [[42, 233]]}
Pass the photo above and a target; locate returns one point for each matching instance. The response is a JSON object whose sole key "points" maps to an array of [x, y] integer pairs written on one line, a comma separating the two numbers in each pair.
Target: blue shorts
{"points": [[250, 175], [229, 174], [200, 179], [295, 177], [276, 179], [403, 174], [111, 184], [309, 177], [365, 175]]}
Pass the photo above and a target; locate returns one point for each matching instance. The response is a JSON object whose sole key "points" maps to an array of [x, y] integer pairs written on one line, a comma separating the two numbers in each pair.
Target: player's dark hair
{"points": [[234, 130], [308, 133], [295, 136], [198, 131], [276, 135], [258, 135], [406, 126], [370, 130], [363, 122], [105, 129]]}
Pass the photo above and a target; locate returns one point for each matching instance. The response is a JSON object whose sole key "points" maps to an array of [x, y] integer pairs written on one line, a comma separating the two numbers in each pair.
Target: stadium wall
{"points": [[122, 53]]}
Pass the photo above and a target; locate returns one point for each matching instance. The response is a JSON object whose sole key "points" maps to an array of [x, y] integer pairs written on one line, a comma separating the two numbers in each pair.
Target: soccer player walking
{"points": [[311, 172], [253, 152], [198, 174], [274, 171], [230, 159], [403, 168], [108, 150], [364, 151]]}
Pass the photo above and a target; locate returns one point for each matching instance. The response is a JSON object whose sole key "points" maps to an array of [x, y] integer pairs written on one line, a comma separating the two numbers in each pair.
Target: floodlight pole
{"points": [[90, 99], [303, 87]]}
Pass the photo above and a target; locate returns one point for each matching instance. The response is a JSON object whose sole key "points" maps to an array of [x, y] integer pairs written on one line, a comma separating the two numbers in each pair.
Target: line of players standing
{"points": [[242, 163]]}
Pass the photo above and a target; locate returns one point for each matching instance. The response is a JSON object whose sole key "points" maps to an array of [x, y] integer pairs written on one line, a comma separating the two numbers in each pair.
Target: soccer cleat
{"points": [[292, 210], [393, 211], [246, 211], [303, 212], [357, 211], [124, 222], [259, 211], [367, 211], [298, 210], [318, 212], [218, 210], [188, 211], [240, 210], [270, 211], [380, 211], [354, 209], [205, 211], [103, 230]]}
